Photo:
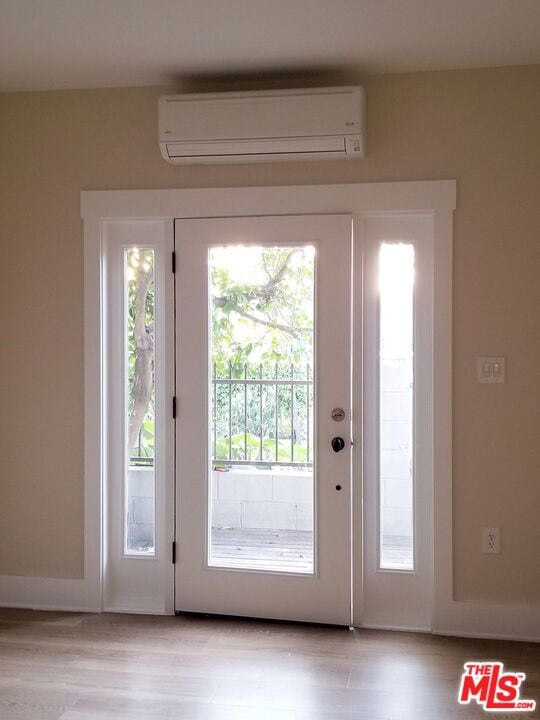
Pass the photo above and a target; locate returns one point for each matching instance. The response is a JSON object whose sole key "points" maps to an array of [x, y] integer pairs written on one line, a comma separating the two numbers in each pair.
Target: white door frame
{"points": [[435, 197]]}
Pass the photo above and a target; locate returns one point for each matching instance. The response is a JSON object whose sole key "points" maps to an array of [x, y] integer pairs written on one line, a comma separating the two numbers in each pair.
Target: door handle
{"points": [[338, 443]]}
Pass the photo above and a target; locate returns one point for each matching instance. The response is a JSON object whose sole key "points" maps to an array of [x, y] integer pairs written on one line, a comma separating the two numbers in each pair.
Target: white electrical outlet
{"points": [[491, 540]]}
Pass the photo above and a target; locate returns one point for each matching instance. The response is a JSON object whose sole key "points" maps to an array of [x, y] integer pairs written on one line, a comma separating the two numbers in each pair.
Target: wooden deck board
{"points": [[285, 550], [280, 550]]}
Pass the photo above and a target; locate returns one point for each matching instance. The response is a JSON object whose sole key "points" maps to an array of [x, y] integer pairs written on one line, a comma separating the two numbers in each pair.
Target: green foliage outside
{"points": [[261, 327], [253, 449], [262, 307], [139, 270]]}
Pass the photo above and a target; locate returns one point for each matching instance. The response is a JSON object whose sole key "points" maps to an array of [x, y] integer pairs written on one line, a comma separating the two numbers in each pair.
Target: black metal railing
{"points": [[251, 412]]}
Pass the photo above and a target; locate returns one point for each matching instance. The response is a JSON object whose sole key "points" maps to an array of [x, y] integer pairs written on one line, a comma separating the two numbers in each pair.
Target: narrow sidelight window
{"points": [[396, 407], [139, 415]]}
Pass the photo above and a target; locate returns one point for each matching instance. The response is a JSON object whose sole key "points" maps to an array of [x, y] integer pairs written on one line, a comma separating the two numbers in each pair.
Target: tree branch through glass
{"points": [[262, 354]]}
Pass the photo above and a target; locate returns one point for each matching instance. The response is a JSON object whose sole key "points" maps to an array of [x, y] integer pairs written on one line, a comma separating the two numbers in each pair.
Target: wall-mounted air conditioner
{"points": [[233, 127]]}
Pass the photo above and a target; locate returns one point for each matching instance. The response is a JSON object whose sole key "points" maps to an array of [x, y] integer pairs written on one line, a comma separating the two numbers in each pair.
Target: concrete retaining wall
{"points": [[140, 507], [240, 499], [396, 450], [257, 499]]}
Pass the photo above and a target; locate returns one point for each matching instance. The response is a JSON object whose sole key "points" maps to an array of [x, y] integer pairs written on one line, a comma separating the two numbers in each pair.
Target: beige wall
{"points": [[480, 127]]}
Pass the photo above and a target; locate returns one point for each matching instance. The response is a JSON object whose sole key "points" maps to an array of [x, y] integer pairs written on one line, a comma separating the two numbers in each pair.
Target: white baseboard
{"points": [[393, 628], [49, 594], [480, 620], [488, 636], [49, 608], [490, 621], [455, 618]]}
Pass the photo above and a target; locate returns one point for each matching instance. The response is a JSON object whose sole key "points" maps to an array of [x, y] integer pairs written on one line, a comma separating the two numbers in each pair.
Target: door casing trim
{"points": [[437, 197]]}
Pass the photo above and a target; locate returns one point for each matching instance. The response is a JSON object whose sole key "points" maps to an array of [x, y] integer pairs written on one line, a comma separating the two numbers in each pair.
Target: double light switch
{"points": [[491, 369]]}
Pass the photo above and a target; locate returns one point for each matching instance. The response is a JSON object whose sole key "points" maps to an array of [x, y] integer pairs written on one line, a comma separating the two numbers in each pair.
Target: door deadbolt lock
{"points": [[338, 443], [338, 414]]}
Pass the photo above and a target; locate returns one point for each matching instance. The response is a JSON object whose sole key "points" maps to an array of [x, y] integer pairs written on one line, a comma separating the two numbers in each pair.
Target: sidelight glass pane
{"points": [[396, 420], [261, 327], [139, 288]]}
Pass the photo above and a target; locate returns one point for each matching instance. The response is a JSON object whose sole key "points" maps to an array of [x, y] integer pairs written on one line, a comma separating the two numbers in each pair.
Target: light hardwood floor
{"points": [[95, 667]]}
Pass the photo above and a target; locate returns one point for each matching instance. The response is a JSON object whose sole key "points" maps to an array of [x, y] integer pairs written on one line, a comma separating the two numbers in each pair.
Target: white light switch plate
{"points": [[491, 369]]}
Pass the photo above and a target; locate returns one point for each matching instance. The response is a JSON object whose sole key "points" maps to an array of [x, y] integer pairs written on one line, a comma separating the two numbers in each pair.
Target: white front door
{"points": [[263, 453]]}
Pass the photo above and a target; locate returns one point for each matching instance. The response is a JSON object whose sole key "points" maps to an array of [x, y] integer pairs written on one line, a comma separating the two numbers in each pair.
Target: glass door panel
{"points": [[261, 330]]}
